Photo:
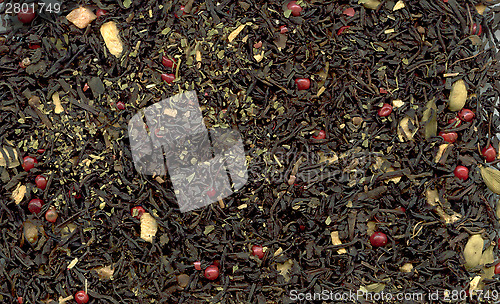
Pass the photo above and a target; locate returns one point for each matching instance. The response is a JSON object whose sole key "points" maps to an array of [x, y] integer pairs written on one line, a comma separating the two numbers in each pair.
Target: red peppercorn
{"points": [[401, 208], [74, 192], [283, 29], [182, 9], [212, 272], [295, 8], [100, 12], [378, 239], [302, 227], [461, 172], [169, 78], [321, 135], [81, 297], [303, 83], [385, 110], [197, 265], [450, 137], [51, 215], [120, 105], [34, 46], [466, 115], [211, 192], [40, 151], [489, 153], [382, 91], [26, 16], [258, 251], [497, 268], [29, 163], [169, 63], [41, 182], [137, 212], [20, 300], [35, 205], [342, 29], [349, 12], [455, 122], [477, 30]]}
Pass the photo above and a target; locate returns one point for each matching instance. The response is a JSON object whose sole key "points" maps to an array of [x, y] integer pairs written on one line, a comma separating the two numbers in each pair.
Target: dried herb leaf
{"points": [[336, 241], [429, 119]]}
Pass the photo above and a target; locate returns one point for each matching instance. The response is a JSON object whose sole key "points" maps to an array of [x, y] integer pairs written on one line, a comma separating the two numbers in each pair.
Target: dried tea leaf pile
{"points": [[312, 200]]}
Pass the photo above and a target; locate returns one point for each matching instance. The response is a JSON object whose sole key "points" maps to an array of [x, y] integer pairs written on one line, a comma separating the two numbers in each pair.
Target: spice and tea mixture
{"points": [[369, 130]]}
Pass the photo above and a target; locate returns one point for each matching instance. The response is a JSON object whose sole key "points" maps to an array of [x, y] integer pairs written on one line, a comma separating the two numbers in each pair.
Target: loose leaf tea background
{"points": [[312, 203]]}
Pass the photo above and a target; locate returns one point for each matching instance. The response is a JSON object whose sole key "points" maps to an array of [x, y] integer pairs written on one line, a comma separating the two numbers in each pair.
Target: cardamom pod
{"points": [[491, 178], [370, 4], [458, 95], [30, 231], [473, 251]]}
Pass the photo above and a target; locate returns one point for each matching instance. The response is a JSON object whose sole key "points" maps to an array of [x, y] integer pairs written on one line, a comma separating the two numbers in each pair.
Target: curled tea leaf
{"points": [[473, 251], [458, 96], [491, 178]]}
